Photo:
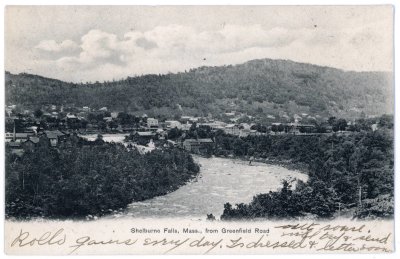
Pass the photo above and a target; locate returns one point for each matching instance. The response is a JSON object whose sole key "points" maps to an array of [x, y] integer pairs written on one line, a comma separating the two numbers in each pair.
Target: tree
{"points": [[174, 133], [102, 125], [82, 180], [332, 120], [386, 121], [281, 128], [38, 113], [339, 125]]}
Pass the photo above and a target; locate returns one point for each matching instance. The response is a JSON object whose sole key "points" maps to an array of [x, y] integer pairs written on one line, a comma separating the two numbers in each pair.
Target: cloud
{"points": [[104, 55], [166, 43], [102, 43], [50, 49], [53, 46]]}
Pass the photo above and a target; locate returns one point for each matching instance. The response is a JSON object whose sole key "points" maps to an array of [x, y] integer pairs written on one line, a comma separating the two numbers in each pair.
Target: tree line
{"points": [[79, 179], [347, 174]]}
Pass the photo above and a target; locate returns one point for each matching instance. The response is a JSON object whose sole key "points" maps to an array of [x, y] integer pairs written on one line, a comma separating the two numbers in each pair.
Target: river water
{"points": [[220, 180]]}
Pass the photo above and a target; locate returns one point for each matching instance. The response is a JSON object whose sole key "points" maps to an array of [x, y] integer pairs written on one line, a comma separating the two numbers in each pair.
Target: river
{"points": [[220, 180]]}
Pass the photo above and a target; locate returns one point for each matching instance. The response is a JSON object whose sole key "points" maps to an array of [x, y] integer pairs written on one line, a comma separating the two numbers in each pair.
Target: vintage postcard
{"points": [[199, 130]]}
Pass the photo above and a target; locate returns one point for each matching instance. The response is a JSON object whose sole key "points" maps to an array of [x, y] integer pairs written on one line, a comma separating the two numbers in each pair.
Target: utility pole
{"points": [[359, 191]]}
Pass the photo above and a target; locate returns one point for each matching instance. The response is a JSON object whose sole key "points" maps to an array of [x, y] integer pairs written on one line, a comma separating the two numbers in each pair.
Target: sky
{"points": [[98, 43]]}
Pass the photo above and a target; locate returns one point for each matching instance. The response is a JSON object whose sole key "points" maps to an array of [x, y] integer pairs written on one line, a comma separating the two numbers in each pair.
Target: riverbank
{"points": [[288, 164]]}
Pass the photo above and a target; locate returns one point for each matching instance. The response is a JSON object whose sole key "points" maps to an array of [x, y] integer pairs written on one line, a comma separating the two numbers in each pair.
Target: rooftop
{"points": [[201, 140], [145, 133]]}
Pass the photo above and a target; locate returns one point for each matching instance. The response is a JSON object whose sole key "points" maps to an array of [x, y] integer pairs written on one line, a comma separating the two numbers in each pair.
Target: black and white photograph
{"points": [[217, 115]]}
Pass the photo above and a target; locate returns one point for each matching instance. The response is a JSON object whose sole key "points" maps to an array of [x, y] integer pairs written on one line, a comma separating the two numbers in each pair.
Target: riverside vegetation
{"points": [[349, 174], [90, 178]]}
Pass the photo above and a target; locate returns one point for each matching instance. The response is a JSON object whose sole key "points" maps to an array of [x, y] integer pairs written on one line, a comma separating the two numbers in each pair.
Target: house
{"points": [[296, 128], [198, 146], [286, 117], [16, 148], [232, 129], [127, 128], [305, 128], [114, 115], [186, 127], [14, 145], [71, 116], [216, 125], [54, 137], [34, 140], [245, 126], [85, 109], [292, 128], [47, 115], [145, 134], [185, 119], [151, 122], [171, 143], [9, 136], [161, 133], [244, 132], [30, 144], [173, 124], [297, 118], [19, 137], [103, 109], [9, 112], [107, 119]]}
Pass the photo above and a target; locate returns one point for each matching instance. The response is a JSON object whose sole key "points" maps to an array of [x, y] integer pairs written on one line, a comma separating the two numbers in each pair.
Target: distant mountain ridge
{"points": [[257, 88]]}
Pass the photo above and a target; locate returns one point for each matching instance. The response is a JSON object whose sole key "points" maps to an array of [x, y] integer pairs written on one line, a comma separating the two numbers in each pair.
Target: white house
{"points": [[173, 124], [232, 129], [151, 122]]}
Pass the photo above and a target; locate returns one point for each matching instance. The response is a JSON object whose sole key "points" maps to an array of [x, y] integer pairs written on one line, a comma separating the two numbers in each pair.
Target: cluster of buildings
{"points": [[22, 142], [55, 122]]}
